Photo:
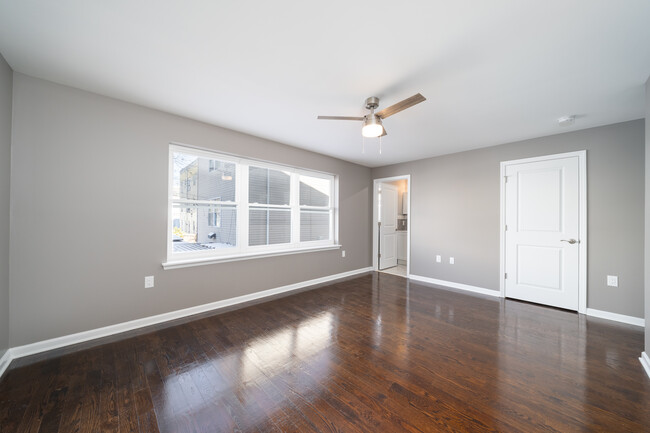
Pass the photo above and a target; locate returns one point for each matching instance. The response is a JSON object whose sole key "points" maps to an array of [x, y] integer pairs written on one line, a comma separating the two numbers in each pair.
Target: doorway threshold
{"points": [[399, 270]]}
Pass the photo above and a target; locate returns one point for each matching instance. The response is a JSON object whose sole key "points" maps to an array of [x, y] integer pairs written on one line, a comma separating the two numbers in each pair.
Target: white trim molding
{"points": [[5, 361], [630, 320], [645, 362], [176, 264], [453, 285], [93, 334]]}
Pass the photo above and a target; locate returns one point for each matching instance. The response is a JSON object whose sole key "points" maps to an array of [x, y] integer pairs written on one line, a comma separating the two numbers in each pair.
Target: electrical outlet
{"points": [[612, 280], [148, 282], [343, 253], [438, 259], [451, 260]]}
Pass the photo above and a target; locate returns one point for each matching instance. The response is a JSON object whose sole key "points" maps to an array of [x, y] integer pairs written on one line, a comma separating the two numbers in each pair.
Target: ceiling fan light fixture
{"points": [[372, 127]]}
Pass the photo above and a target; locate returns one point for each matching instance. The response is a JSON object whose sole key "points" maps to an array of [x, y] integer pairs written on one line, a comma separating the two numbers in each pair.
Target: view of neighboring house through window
{"points": [[225, 206], [204, 210]]}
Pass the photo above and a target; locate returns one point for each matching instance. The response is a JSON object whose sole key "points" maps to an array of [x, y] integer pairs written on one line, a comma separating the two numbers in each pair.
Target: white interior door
{"points": [[542, 205], [388, 219]]}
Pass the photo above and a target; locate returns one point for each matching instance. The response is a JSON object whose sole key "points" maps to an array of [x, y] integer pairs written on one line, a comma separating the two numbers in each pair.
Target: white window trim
{"points": [[242, 251], [176, 264]]}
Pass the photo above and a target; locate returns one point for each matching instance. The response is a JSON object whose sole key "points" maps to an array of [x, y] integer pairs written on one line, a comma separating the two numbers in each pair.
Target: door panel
{"points": [[540, 200], [542, 213], [539, 267], [388, 213]]}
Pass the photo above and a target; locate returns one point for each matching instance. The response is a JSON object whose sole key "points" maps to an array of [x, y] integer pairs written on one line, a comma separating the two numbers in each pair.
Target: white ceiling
{"points": [[492, 71]]}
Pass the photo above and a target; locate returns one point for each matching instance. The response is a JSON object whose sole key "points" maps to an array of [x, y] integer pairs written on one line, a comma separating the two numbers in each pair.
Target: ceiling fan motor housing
{"points": [[372, 103]]}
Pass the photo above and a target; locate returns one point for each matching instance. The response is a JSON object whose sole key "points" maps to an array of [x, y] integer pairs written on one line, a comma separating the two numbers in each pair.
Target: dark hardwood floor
{"points": [[372, 354]]}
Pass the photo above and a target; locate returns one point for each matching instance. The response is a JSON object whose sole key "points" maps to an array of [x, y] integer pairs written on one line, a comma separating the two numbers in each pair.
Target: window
{"points": [[223, 207], [315, 198], [269, 206]]}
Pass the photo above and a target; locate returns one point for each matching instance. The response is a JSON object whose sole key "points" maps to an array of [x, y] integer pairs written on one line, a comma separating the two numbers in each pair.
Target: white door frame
{"points": [[582, 194], [375, 219]]}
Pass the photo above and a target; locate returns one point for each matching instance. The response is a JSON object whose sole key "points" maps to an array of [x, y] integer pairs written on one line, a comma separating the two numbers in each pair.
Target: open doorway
{"points": [[391, 228]]}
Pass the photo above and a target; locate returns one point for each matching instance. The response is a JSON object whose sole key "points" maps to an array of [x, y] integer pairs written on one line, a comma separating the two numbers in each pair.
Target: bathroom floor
{"points": [[396, 270]]}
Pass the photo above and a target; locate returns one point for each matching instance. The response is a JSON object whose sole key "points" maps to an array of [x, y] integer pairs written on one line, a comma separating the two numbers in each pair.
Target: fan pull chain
{"points": [[380, 144]]}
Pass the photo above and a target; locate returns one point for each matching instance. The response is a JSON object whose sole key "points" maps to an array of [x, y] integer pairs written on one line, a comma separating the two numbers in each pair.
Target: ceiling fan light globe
{"points": [[372, 130], [372, 126]]}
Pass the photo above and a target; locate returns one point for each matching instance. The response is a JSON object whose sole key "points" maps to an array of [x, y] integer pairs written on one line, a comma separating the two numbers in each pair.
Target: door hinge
{"points": [[380, 255], [505, 179], [506, 227], [505, 276]]}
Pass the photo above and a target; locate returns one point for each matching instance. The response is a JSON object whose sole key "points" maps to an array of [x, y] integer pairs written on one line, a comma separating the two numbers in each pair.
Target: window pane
{"points": [[198, 178], [315, 191], [203, 227], [267, 186], [269, 226], [314, 225]]}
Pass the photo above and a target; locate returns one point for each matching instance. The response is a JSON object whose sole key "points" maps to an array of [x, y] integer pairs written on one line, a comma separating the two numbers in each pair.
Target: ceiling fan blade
{"points": [[384, 131], [402, 105], [339, 118]]}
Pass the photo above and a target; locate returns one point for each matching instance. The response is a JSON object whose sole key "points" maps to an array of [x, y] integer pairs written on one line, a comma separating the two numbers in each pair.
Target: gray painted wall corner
{"points": [[455, 211], [6, 85]]}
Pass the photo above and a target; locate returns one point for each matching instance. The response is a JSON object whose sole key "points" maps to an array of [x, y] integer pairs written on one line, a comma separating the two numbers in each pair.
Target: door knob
{"points": [[571, 241]]}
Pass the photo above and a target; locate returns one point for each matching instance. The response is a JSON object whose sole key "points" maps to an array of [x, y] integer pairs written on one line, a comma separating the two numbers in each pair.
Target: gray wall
{"points": [[647, 215], [89, 194], [455, 211], [5, 169]]}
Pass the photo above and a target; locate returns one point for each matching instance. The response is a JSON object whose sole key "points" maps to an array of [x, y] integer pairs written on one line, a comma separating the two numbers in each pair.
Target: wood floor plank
{"points": [[15, 395], [144, 411], [164, 414], [108, 416], [42, 401], [373, 353], [52, 414], [127, 418], [91, 415]]}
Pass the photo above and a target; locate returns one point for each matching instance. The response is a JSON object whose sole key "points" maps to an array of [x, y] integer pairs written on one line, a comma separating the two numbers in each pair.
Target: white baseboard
{"points": [[630, 320], [645, 362], [80, 337], [5, 361], [453, 285], [590, 311]]}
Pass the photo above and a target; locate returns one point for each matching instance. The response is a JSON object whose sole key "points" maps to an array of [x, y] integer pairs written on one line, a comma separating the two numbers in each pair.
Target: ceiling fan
{"points": [[372, 126]]}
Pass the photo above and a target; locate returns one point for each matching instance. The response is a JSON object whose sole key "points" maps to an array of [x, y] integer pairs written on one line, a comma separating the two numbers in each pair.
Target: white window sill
{"points": [[175, 264]]}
